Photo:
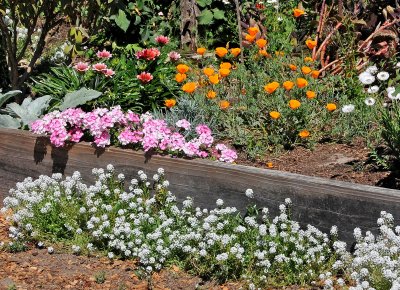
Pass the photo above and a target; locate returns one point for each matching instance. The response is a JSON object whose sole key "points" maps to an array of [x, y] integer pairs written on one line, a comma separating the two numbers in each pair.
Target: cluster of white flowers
{"points": [[146, 223]]}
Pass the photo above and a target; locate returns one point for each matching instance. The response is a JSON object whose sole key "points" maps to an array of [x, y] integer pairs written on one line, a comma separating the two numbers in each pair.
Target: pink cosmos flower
{"points": [[174, 56], [108, 73], [99, 67], [148, 54], [162, 40], [104, 54], [145, 77], [81, 67]]}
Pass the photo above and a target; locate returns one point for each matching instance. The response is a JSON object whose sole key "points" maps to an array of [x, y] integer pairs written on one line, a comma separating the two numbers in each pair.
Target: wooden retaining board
{"points": [[317, 201]]}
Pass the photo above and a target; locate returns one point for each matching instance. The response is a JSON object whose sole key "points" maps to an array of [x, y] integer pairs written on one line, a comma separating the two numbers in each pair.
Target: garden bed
{"points": [[317, 201]]}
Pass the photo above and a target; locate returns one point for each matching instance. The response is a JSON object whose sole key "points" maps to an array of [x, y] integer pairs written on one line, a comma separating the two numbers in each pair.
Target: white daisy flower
{"points": [[390, 92], [348, 108], [372, 69], [366, 78], [369, 101], [383, 76], [373, 89], [398, 65]]}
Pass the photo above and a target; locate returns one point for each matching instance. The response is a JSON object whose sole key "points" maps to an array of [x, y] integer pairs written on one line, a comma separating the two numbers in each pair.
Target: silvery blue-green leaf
{"points": [[7, 121], [37, 106], [80, 97], [26, 102], [26, 116], [5, 97]]}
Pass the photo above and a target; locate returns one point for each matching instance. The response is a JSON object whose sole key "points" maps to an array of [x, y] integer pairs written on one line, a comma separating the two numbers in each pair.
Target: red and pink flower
{"points": [[174, 56], [162, 40], [148, 54], [99, 67], [108, 73], [81, 67], [145, 77], [104, 54]]}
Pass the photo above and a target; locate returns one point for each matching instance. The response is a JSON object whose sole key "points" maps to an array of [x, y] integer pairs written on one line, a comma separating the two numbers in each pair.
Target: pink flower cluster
{"points": [[82, 67], [145, 131], [148, 54]]}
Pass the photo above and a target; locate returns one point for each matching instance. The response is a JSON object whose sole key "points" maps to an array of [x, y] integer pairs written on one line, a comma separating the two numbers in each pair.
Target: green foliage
{"points": [[6, 96], [391, 129], [100, 277], [77, 98]]}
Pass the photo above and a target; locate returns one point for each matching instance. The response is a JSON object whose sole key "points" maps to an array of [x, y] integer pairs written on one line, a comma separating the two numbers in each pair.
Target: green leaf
{"points": [[396, 91], [7, 121], [206, 17], [121, 20], [218, 14], [5, 97], [204, 3], [80, 97], [78, 37], [37, 106]]}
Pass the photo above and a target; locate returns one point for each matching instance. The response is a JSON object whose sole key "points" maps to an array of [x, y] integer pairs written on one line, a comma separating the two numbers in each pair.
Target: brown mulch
{"points": [[345, 162]]}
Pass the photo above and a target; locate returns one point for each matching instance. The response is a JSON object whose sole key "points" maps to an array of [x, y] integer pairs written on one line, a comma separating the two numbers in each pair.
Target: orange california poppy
{"points": [[189, 87], [182, 68], [294, 104], [306, 70], [311, 94], [208, 71], [180, 77], [301, 83], [261, 43], [311, 43], [250, 38], [271, 87], [226, 65], [331, 107], [201, 50], [288, 85], [315, 74], [304, 134], [235, 51], [263, 52], [224, 72], [221, 51], [298, 12], [224, 104], [214, 79], [292, 67], [279, 53], [170, 103], [308, 59], [211, 94], [253, 31], [269, 164], [274, 115]]}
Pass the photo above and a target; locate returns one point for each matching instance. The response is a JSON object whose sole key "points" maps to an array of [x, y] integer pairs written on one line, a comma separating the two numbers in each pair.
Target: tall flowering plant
{"points": [[142, 131]]}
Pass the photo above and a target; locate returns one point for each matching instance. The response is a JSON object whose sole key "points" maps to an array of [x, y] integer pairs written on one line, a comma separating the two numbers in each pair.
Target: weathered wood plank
{"points": [[317, 201]]}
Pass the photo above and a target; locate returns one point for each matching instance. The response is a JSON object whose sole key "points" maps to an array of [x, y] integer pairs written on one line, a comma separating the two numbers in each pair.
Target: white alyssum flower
{"points": [[50, 250], [369, 101], [390, 91], [249, 193], [372, 69], [383, 76], [366, 78], [348, 108], [373, 89]]}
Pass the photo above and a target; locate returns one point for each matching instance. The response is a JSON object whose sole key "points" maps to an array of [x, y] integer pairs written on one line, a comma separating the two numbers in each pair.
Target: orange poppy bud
{"points": [[274, 115], [304, 134], [301, 83], [201, 50], [180, 77], [235, 51], [261, 43], [224, 104], [306, 70], [270, 164], [182, 68], [288, 85], [226, 65], [331, 107], [293, 67], [263, 52], [170, 103], [308, 59], [294, 104], [298, 12], [311, 94], [211, 95], [253, 31], [311, 43], [214, 79], [224, 72], [189, 87], [221, 51], [250, 38], [279, 53], [271, 87], [315, 74]]}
